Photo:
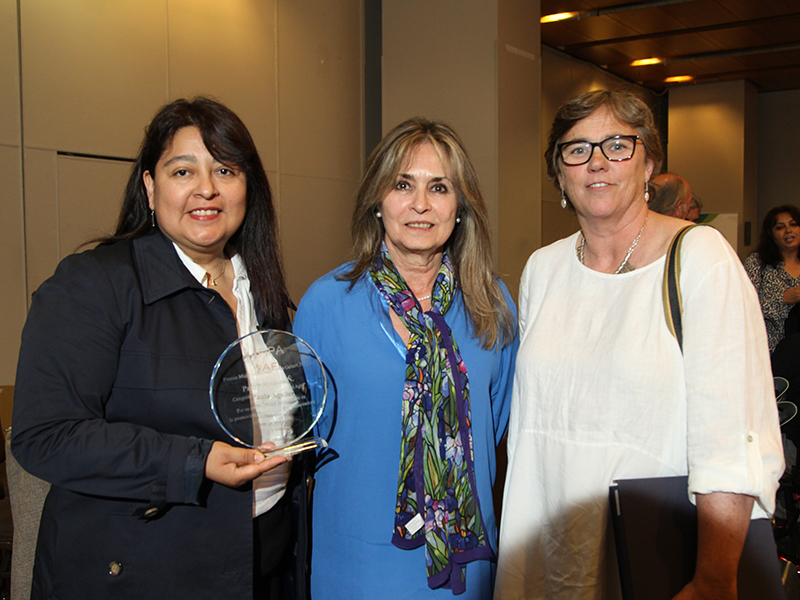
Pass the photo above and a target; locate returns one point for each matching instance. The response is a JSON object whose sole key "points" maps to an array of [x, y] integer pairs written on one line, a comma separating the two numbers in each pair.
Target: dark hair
{"points": [[767, 249], [626, 108], [469, 246], [229, 142]]}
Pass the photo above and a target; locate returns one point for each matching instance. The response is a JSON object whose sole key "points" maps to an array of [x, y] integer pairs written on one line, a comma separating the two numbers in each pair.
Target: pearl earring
{"points": [[563, 199], [646, 193], [152, 218], [458, 219], [378, 214]]}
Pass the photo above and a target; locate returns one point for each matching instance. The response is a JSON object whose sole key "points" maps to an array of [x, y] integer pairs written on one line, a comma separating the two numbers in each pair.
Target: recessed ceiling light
{"points": [[558, 17], [678, 79], [646, 61]]}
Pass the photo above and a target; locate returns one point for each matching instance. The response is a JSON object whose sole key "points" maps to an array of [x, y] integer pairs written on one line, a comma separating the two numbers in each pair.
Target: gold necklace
{"points": [[214, 280]]}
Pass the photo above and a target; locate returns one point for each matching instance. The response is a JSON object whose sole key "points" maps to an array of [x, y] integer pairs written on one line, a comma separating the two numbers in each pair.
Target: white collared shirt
{"points": [[269, 487]]}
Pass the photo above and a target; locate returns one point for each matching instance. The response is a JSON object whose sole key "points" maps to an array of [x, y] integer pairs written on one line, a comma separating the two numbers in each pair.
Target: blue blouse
{"points": [[356, 481]]}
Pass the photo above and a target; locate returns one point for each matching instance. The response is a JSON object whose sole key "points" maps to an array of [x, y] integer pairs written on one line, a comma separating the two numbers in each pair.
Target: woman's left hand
{"points": [[722, 523], [233, 466]]}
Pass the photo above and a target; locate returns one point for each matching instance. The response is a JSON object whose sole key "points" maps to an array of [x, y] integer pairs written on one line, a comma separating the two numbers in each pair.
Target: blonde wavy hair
{"points": [[469, 246]]}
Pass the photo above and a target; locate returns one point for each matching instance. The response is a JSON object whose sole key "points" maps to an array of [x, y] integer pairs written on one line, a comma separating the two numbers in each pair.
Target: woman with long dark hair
{"points": [[774, 269], [148, 498]]}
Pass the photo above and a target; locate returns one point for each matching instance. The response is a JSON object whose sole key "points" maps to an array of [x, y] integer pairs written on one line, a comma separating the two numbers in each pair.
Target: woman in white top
{"points": [[602, 390]]}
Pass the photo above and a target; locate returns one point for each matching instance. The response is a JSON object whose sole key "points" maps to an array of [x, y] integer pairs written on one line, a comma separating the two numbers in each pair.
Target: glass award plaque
{"points": [[269, 386]]}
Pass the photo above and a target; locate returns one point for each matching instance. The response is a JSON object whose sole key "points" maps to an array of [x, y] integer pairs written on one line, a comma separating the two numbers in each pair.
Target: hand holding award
{"points": [[269, 386]]}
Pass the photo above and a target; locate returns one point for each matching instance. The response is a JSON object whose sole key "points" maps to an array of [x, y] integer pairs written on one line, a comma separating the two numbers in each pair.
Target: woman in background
{"points": [[149, 500], [602, 390], [419, 338], [774, 269]]}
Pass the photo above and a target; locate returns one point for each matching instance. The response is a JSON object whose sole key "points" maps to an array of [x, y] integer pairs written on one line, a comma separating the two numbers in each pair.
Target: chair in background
{"points": [[27, 495], [6, 531]]}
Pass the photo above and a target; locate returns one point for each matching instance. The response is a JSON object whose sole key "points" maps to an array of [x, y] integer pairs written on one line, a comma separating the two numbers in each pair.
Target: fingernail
{"points": [[259, 457]]}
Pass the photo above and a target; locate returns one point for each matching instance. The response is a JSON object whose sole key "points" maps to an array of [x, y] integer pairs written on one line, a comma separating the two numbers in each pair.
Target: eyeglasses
{"points": [[616, 148]]}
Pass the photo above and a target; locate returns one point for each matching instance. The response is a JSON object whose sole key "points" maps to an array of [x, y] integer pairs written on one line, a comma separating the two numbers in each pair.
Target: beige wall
{"points": [[778, 151], [93, 75], [476, 65], [13, 301], [713, 144], [439, 62], [519, 83], [9, 74], [320, 133]]}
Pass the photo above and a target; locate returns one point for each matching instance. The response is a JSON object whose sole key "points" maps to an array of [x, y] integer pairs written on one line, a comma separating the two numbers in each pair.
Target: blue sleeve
{"points": [[502, 383], [304, 325], [309, 325]]}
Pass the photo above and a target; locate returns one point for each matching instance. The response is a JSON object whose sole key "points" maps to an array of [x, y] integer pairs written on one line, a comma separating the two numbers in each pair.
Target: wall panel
{"points": [[9, 74], [227, 50], [778, 154], [13, 300], [315, 228], [320, 133], [320, 91], [13, 304], [519, 97], [708, 131], [89, 197], [440, 61], [93, 73], [41, 216]]}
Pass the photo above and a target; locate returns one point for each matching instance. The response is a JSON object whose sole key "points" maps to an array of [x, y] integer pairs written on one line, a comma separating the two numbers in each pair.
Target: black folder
{"points": [[655, 529]]}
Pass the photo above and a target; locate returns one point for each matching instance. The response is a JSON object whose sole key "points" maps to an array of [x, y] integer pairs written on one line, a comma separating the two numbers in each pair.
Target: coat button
{"points": [[151, 512], [114, 569]]}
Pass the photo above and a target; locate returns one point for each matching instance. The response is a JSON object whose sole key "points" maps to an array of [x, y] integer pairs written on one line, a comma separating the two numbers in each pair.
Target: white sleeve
{"points": [[732, 423]]}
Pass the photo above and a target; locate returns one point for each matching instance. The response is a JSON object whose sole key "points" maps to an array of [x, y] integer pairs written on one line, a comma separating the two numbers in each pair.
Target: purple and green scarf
{"points": [[436, 453]]}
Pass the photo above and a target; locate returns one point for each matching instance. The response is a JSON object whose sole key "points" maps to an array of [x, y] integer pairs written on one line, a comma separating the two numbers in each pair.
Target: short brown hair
{"points": [[626, 108]]}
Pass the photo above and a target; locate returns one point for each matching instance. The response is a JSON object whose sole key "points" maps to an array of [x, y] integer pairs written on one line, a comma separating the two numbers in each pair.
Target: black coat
{"points": [[111, 407]]}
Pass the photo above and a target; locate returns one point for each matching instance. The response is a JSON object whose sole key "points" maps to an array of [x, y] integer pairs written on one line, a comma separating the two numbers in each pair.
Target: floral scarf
{"points": [[436, 452]]}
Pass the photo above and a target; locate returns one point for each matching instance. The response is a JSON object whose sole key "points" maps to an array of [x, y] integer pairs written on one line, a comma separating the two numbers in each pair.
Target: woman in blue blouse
{"points": [[774, 269], [419, 337]]}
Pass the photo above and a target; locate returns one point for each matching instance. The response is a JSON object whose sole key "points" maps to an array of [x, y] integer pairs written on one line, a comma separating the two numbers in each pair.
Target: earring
{"points": [[152, 218], [563, 199], [458, 219], [378, 214], [646, 193]]}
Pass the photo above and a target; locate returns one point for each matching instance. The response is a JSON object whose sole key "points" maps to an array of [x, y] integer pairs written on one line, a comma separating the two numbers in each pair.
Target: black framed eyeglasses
{"points": [[616, 148]]}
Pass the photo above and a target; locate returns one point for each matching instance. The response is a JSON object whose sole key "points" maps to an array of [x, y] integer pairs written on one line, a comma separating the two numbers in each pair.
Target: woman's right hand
{"points": [[233, 466], [792, 295]]}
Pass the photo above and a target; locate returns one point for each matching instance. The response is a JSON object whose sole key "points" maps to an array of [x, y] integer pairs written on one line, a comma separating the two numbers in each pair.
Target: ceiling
{"points": [[709, 40]]}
